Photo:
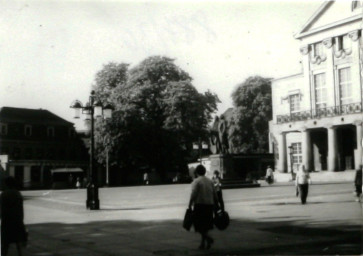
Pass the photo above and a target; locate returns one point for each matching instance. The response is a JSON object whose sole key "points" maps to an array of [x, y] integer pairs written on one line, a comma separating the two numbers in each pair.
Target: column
{"points": [[281, 165], [42, 174], [358, 154], [27, 177], [306, 149], [332, 149]]}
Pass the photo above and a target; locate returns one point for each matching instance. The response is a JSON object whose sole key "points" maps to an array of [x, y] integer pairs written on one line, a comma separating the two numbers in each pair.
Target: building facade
{"points": [[33, 142], [317, 114]]}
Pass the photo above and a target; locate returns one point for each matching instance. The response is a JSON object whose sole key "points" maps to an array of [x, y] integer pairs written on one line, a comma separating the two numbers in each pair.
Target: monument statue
{"points": [[219, 136]]}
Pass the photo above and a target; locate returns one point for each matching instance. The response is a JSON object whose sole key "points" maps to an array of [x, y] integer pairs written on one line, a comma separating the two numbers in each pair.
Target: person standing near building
{"points": [[12, 217], [302, 182], [358, 183], [203, 200], [218, 188], [269, 175], [146, 178]]}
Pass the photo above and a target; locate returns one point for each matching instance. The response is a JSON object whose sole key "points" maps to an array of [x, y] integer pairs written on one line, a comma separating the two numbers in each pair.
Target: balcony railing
{"points": [[321, 112]]}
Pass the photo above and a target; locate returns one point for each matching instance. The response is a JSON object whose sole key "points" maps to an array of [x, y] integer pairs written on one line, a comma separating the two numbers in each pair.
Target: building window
{"points": [[345, 86], [28, 130], [50, 131], [296, 155], [4, 150], [320, 91], [28, 153], [39, 153], [16, 153], [3, 129], [294, 103]]}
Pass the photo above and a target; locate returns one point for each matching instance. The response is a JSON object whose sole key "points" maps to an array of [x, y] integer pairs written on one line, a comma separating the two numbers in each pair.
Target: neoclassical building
{"points": [[318, 113]]}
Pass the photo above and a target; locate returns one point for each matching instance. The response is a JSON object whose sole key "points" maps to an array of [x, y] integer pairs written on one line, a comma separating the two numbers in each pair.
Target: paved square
{"points": [[147, 221]]}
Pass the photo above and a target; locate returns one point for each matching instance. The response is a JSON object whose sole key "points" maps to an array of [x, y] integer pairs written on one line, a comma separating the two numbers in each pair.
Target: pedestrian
{"points": [[70, 180], [302, 182], [218, 188], [78, 183], [12, 217], [269, 175], [358, 183], [203, 199], [146, 178]]}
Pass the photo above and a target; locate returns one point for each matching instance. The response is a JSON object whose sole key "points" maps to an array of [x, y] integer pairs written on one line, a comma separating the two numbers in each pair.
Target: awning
{"points": [[66, 170]]}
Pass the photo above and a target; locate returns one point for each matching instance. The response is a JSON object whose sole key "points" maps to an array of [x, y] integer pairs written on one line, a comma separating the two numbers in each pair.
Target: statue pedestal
{"points": [[223, 164]]}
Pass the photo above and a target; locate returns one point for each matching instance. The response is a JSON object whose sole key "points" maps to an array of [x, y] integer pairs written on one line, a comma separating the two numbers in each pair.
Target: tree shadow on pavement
{"points": [[243, 237]]}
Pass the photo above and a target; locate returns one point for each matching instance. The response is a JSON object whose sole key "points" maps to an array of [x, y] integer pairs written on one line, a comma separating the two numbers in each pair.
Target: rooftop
{"points": [[31, 116]]}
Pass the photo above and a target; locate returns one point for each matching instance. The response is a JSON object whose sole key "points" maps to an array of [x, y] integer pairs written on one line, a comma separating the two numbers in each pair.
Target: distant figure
{"points": [[12, 216], [70, 180], [358, 183], [269, 175], [302, 182], [146, 178], [218, 188], [78, 183], [203, 199]]}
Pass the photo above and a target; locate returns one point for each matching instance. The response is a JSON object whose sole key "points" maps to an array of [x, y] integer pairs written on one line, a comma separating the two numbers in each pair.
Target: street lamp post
{"points": [[92, 109], [200, 150], [291, 148]]}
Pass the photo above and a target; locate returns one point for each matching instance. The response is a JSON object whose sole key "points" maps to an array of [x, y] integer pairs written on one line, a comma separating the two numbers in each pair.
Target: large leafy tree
{"points": [[253, 111], [158, 115]]}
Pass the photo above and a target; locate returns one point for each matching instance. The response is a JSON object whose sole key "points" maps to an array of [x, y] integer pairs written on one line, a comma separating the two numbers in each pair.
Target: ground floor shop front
{"points": [[46, 174]]}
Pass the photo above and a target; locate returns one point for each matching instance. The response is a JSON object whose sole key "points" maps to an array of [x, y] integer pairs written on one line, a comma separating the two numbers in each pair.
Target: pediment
{"points": [[331, 13]]}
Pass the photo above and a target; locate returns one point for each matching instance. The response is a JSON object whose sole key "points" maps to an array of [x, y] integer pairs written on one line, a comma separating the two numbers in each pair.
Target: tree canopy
{"points": [[158, 115], [253, 111]]}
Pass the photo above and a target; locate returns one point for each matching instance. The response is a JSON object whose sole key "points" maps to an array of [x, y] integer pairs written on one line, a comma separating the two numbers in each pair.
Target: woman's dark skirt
{"points": [[13, 232], [303, 191], [203, 217]]}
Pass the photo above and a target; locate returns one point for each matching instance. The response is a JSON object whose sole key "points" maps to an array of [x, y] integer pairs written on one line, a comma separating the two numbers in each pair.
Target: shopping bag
{"points": [[188, 219], [221, 220]]}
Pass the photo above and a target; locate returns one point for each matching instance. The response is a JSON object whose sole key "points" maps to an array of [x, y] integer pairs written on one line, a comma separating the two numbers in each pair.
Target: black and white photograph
{"points": [[173, 128]]}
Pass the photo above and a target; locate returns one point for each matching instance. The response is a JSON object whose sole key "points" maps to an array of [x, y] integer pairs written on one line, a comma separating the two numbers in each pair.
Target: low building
{"points": [[33, 142], [317, 114]]}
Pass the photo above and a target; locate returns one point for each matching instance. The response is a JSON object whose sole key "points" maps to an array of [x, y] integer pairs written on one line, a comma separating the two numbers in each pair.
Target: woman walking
{"points": [[203, 199], [302, 182], [12, 215]]}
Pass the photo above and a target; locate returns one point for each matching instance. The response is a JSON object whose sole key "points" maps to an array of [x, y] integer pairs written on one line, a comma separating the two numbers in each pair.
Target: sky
{"points": [[51, 50]]}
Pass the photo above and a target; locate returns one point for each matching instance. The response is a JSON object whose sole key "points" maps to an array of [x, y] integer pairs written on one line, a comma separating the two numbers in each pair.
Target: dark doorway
{"points": [[347, 142], [35, 176], [319, 149], [19, 175]]}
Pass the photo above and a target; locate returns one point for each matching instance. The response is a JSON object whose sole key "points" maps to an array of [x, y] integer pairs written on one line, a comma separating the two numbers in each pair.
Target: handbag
{"points": [[221, 220], [188, 219]]}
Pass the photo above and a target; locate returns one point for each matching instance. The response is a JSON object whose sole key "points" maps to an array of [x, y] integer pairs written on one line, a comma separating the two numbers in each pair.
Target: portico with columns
{"points": [[318, 112], [321, 147]]}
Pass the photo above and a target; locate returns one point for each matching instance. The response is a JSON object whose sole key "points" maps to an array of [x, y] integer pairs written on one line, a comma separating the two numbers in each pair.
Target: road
{"points": [[147, 221]]}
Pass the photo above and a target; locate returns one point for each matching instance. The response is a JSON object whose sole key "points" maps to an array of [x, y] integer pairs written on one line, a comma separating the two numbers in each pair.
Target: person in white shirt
{"points": [[203, 200], [302, 182], [218, 188], [269, 175]]}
